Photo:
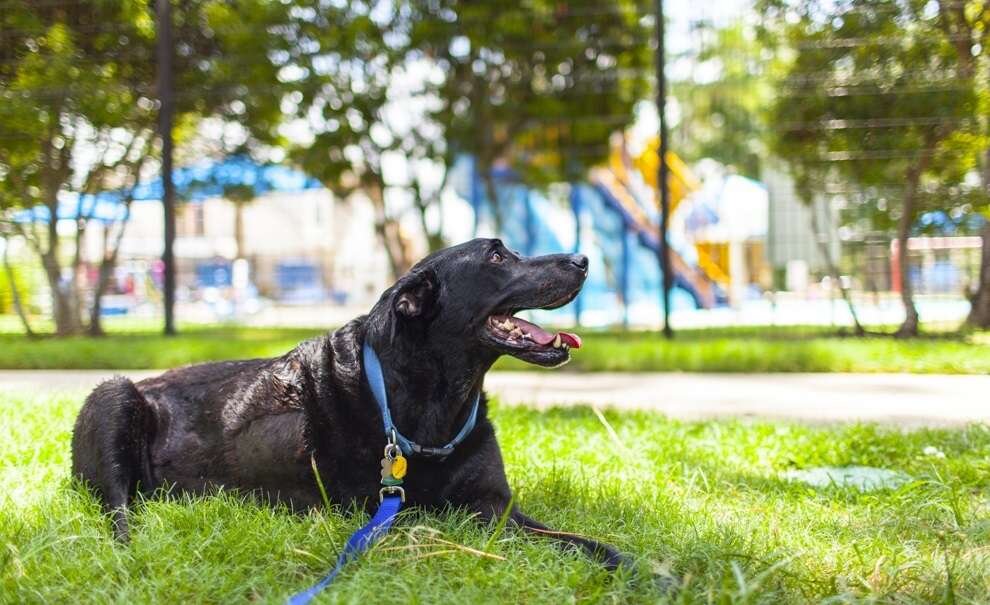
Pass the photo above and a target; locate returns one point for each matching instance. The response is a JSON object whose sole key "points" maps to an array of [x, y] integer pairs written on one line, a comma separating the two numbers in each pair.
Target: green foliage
{"points": [[77, 80], [79, 104], [882, 99], [27, 286], [876, 92], [724, 100], [798, 349], [342, 76], [395, 92], [705, 500], [539, 85], [89, 67]]}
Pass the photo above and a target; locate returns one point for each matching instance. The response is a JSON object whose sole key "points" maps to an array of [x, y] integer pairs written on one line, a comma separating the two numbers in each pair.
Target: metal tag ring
{"points": [[390, 490]]}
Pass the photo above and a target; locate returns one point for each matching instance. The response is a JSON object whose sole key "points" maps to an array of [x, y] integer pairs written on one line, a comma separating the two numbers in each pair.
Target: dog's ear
{"points": [[416, 294]]}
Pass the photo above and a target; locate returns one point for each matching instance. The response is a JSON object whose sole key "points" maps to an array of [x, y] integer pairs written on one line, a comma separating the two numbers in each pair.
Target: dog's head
{"points": [[464, 298]]}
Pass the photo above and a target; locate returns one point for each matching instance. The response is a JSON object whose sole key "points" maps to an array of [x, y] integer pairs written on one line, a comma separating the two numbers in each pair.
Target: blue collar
{"points": [[376, 380]]}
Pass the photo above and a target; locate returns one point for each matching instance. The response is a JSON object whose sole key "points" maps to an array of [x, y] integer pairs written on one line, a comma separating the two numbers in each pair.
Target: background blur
{"points": [[829, 160]]}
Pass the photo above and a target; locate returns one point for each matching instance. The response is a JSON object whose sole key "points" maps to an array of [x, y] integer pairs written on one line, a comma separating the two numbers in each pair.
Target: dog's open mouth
{"points": [[527, 341], [519, 332], [530, 342]]}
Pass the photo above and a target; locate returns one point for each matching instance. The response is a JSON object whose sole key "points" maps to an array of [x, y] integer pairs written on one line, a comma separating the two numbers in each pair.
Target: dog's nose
{"points": [[580, 261]]}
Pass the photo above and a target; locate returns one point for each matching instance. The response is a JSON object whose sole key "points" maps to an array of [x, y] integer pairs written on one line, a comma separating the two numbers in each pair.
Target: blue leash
{"points": [[359, 542], [391, 496]]}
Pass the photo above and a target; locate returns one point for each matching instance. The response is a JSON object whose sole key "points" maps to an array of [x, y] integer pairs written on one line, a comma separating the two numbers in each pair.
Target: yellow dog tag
{"points": [[399, 467]]}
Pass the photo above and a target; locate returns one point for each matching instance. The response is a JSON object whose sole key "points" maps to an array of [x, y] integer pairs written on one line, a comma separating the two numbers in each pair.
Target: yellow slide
{"points": [[682, 183], [701, 285]]}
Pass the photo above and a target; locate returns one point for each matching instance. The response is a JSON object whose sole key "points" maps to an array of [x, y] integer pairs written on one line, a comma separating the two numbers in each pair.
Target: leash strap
{"points": [[376, 380], [360, 541]]}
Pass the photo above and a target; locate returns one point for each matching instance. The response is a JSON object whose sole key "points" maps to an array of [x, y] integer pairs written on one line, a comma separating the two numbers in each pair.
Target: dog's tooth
{"points": [[556, 342]]}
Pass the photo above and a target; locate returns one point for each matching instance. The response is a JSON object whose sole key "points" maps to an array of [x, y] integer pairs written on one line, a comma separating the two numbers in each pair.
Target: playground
{"points": [[236, 264], [756, 231]]}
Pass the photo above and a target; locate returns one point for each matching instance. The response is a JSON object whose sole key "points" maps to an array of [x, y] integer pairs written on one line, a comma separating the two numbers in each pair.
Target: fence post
{"points": [[530, 222], [664, 251], [475, 195], [166, 95], [576, 209], [624, 276]]}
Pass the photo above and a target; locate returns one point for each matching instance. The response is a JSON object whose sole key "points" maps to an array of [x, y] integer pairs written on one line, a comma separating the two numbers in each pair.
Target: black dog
{"points": [[254, 425]]}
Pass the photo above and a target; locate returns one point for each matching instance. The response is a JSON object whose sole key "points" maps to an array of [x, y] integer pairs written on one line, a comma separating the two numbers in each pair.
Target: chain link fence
{"points": [[300, 252]]}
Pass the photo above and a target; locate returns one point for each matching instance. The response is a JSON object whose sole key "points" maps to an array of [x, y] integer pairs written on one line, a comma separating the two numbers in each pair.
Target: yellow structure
{"points": [[713, 258], [681, 181]]}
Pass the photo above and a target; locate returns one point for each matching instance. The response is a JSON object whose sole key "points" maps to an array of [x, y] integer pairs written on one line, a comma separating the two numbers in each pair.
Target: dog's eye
{"points": [[495, 257]]}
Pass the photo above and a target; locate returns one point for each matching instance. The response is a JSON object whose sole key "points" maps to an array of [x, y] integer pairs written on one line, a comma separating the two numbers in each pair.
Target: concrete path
{"points": [[910, 400]]}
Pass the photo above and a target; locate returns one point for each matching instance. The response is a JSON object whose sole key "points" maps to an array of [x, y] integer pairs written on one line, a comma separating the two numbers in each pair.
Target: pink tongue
{"points": [[542, 337]]}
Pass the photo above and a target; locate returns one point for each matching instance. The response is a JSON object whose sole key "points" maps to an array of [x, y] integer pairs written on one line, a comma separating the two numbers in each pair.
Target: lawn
{"points": [[795, 349], [705, 500]]}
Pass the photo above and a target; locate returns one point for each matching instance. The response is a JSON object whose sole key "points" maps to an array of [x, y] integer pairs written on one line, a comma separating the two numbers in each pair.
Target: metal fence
{"points": [[752, 250]]}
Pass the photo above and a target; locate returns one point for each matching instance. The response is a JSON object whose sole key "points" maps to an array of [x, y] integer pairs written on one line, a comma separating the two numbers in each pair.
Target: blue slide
{"points": [[624, 283]]}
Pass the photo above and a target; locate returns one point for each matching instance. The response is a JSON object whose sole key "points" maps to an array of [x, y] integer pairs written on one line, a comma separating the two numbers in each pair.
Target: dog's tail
{"points": [[110, 446]]}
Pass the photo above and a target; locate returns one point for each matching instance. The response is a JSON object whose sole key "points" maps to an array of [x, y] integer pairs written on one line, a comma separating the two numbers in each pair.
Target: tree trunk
{"points": [[979, 313], [910, 325], [239, 228], [394, 255], [96, 309], [388, 230], [15, 292], [107, 264], [65, 311], [434, 239], [491, 192], [833, 271]]}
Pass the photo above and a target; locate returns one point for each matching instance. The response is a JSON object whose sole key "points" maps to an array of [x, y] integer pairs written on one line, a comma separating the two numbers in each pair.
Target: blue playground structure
{"points": [[621, 242]]}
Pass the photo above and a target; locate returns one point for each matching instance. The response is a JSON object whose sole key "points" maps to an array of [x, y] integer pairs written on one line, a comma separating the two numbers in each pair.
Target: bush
{"points": [[28, 285]]}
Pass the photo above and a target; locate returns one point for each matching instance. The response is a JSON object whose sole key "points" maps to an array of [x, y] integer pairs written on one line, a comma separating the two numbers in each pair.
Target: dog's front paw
{"points": [[663, 580], [614, 560]]}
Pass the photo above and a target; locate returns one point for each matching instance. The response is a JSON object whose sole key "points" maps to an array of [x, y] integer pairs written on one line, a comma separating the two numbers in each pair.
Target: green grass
{"points": [[142, 349], [801, 349], [768, 349], [704, 500]]}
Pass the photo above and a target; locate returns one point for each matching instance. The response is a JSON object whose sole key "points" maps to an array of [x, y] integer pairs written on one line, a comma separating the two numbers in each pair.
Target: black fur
{"points": [[254, 425]]}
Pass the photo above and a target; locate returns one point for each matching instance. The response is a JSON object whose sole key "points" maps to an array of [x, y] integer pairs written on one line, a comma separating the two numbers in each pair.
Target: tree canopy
{"points": [[877, 97], [722, 102], [394, 93], [79, 106]]}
